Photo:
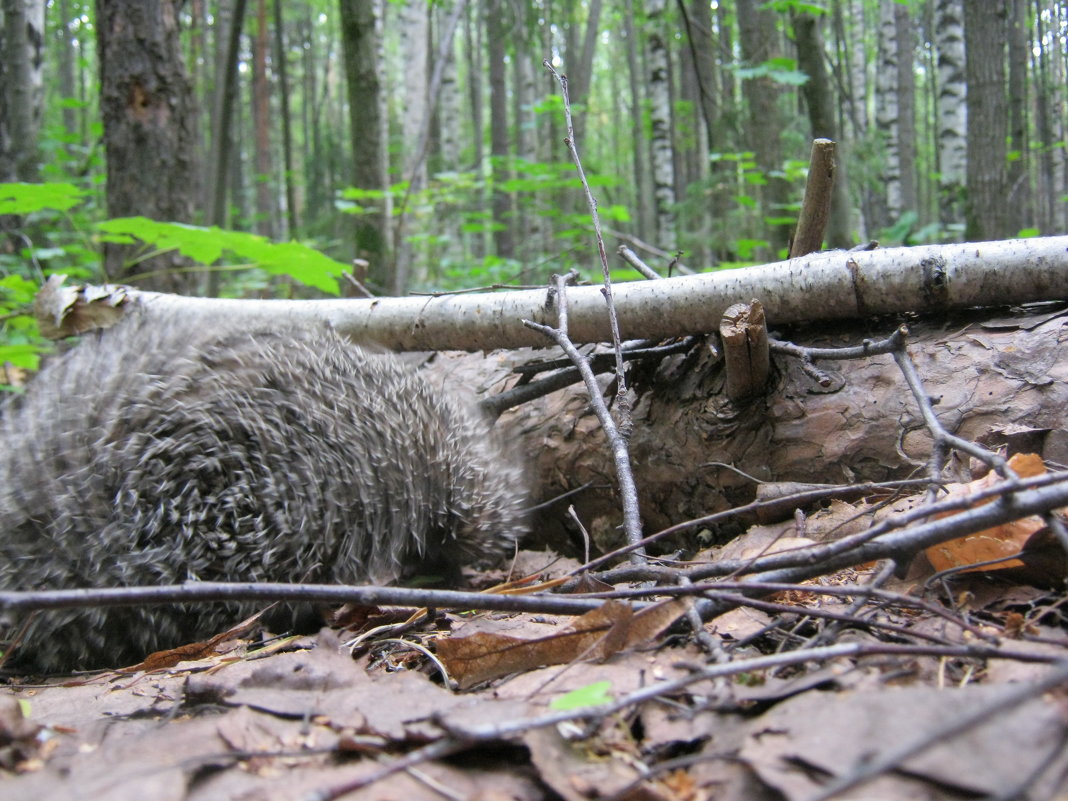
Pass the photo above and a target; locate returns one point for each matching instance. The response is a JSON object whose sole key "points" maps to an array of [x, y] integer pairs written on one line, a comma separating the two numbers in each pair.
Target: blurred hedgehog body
{"points": [[160, 452]]}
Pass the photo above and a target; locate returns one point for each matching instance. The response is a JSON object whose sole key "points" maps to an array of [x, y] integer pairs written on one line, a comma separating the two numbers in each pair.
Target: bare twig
{"points": [[627, 489], [621, 382]]}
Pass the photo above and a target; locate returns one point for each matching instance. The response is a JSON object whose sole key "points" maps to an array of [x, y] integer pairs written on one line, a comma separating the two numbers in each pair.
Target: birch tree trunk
{"points": [[450, 104], [952, 110], [503, 218], [661, 146], [22, 37], [414, 49], [640, 146], [887, 115]]}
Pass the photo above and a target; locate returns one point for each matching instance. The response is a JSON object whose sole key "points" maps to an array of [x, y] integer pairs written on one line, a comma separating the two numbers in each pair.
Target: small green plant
{"points": [[591, 695]]}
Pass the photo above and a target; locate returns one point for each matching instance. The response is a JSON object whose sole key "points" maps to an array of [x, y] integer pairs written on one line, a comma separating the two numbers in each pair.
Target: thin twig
{"points": [[620, 455]]}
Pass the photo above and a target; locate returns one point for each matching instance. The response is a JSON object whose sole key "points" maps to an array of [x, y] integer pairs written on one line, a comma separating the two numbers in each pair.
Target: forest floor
{"points": [[825, 690]]}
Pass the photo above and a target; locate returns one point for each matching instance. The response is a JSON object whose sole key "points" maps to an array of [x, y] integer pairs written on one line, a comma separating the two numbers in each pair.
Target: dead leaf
{"points": [[1000, 541], [826, 734], [596, 635], [158, 660]]}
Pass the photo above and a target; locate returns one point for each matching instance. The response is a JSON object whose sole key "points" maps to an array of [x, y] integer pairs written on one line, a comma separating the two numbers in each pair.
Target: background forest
{"points": [[426, 138]]}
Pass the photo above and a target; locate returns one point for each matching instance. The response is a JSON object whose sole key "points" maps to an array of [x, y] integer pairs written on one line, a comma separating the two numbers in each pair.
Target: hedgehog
{"points": [[165, 450]]}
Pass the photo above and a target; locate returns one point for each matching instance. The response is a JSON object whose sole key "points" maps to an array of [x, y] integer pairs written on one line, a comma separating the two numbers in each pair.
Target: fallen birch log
{"points": [[821, 286]]}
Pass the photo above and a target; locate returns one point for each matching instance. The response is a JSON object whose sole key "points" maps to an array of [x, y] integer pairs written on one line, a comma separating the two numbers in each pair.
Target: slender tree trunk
{"points": [[756, 25], [450, 111], [414, 50], [227, 56], [21, 89], [281, 59], [496, 29], [1019, 197], [473, 29], [361, 32], [146, 105], [820, 104], [952, 111], [887, 114], [986, 32], [63, 43], [697, 17], [261, 115], [906, 107], [661, 144], [640, 143]]}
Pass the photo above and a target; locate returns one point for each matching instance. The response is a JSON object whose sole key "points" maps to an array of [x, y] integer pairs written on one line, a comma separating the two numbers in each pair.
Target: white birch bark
{"points": [[952, 109], [821, 286], [450, 105], [1059, 116], [22, 38], [414, 34], [662, 149], [886, 108]]}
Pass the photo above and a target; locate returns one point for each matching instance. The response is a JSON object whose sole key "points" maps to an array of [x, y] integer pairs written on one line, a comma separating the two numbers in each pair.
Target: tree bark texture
{"points": [[952, 110], [993, 380], [661, 143], [361, 41], [887, 117], [261, 120], [503, 218], [986, 31], [821, 114], [22, 32], [822, 286], [146, 103]]}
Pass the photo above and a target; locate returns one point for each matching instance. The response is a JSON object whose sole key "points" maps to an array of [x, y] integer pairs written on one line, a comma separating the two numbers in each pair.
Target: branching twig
{"points": [[621, 382], [621, 457]]}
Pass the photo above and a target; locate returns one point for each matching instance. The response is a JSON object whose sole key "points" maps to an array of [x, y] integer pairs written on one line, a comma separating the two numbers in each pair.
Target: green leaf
{"points": [[1028, 233], [18, 198], [591, 695], [18, 289], [207, 245], [27, 356]]}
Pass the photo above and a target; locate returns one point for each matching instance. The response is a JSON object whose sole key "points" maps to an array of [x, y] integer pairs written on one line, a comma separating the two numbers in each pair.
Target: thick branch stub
{"points": [[745, 350], [816, 206]]}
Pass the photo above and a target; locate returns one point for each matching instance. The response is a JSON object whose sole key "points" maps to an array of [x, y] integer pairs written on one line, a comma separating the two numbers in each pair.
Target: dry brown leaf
{"points": [[159, 660], [996, 542], [597, 634]]}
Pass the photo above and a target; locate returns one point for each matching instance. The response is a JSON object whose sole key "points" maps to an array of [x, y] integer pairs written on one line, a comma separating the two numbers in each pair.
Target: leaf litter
{"points": [[310, 721]]}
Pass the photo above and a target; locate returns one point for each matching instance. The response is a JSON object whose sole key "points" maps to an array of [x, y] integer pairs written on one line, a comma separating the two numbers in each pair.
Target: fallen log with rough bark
{"points": [[998, 376]]}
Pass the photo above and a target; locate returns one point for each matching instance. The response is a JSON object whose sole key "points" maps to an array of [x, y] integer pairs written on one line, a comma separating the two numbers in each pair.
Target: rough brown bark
{"points": [[994, 380], [146, 104], [360, 39], [986, 30]]}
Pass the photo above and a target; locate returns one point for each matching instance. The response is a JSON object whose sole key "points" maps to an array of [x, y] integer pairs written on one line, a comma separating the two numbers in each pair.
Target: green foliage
{"points": [[781, 70], [594, 694], [22, 199], [207, 245], [20, 344]]}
